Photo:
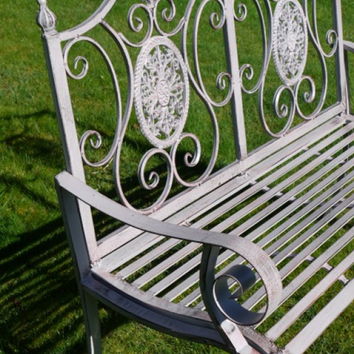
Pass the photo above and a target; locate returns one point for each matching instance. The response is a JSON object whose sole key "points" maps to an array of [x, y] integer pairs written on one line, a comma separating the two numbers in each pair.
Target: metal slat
{"points": [[171, 243], [162, 266], [206, 202], [314, 266], [157, 288], [226, 206], [312, 247], [222, 258], [155, 253], [298, 259], [268, 195], [226, 255], [296, 311], [299, 201], [307, 221], [322, 320]]}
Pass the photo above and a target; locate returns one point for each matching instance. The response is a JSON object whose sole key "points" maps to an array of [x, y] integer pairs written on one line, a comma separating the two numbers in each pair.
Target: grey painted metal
{"points": [[226, 190], [270, 250], [286, 321], [232, 177], [263, 242], [158, 88], [161, 285], [322, 320], [255, 256]]}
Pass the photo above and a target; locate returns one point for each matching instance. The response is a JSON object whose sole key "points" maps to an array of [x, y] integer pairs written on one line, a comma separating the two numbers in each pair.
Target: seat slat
{"points": [[308, 250], [249, 192], [322, 320], [297, 175], [298, 242], [292, 315], [224, 257], [171, 243], [193, 247], [217, 196]]}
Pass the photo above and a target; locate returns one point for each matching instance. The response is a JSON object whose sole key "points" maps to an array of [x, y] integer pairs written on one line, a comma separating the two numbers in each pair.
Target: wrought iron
{"points": [[161, 92], [159, 81], [286, 36], [289, 41], [46, 18], [159, 86]]}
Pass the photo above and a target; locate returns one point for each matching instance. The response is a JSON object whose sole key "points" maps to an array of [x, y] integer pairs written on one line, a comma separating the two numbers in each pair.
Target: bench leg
{"points": [[92, 323]]}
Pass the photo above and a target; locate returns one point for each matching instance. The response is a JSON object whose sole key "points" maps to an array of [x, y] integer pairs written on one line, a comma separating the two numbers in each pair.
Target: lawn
{"points": [[39, 305]]}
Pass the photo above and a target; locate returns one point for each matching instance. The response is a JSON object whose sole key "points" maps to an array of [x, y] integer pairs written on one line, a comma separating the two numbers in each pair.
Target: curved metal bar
{"points": [[309, 97], [331, 35], [217, 22], [241, 14], [168, 15], [136, 24], [88, 24], [212, 242], [246, 70], [88, 135]]}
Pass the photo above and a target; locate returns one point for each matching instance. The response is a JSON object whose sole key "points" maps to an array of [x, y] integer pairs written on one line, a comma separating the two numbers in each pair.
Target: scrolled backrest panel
{"points": [[178, 92]]}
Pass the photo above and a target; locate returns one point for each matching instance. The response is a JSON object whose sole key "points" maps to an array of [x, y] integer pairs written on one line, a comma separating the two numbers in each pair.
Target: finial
{"points": [[46, 18]]}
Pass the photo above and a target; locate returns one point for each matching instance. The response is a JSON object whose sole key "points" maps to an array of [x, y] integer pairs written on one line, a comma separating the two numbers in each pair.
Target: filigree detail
{"points": [[289, 41], [46, 18], [161, 92]]}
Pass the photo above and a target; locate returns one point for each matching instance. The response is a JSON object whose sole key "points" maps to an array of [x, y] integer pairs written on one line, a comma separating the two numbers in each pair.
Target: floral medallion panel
{"points": [[161, 91], [289, 41]]}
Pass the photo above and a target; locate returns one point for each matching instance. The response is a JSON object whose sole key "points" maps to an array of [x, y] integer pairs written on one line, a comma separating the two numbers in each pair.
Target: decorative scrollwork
{"points": [[244, 277], [168, 14], [289, 41], [286, 38], [222, 303], [93, 136], [161, 92], [241, 13]]}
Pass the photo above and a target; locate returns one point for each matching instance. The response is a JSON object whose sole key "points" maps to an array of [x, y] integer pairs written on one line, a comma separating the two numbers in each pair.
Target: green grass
{"points": [[39, 306]]}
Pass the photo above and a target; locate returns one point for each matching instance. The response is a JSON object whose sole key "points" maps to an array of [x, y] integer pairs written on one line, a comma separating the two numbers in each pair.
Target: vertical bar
{"points": [[76, 237], [68, 133], [340, 59], [233, 66]]}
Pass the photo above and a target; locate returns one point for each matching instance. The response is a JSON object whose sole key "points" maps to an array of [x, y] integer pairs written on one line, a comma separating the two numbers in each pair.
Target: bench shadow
{"points": [[40, 307], [40, 310]]}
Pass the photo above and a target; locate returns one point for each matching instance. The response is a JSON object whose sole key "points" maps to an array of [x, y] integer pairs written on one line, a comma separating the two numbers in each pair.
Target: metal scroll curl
{"points": [[221, 302], [161, 80], [286, 32], [93, 136]]}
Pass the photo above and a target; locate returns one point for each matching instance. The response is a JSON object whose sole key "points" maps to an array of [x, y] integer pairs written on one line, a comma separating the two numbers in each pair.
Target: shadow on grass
{"points": [[38, 114], [40, 310]]}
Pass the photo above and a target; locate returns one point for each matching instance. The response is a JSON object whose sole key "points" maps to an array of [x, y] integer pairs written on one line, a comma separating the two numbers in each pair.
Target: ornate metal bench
{"points": [[274, 218]]}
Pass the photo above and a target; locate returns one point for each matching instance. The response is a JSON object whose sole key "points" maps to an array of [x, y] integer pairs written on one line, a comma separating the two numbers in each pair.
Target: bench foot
{"points": [[92, 323]]}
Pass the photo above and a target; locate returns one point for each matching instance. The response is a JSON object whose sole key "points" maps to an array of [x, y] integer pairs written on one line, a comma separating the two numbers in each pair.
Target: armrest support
{"points": [[211, 241]]}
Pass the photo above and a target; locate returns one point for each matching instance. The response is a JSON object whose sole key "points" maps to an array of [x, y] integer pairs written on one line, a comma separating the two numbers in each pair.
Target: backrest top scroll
{"points": [[163, 93]]}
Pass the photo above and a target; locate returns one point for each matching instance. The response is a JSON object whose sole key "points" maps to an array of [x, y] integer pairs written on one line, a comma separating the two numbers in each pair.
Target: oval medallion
{"points": [[161, 91], [289, 41]]}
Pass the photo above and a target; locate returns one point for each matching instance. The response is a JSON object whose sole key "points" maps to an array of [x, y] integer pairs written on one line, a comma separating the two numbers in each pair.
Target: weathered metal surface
{"points": [[278, 204], [323, 319]]}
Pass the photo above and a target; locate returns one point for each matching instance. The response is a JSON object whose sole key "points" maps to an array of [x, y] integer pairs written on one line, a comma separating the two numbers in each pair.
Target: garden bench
{"points": [[244, 249]]}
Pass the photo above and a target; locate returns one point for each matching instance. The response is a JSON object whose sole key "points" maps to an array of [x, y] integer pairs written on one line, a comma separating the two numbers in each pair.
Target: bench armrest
{"points": [[212, 242]]}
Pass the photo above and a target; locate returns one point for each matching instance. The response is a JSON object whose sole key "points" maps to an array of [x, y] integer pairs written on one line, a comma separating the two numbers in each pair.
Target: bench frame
{"points": [[226, 324]]}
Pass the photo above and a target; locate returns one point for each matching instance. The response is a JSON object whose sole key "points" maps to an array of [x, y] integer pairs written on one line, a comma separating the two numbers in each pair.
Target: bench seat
{"points": [[297, 204]]}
